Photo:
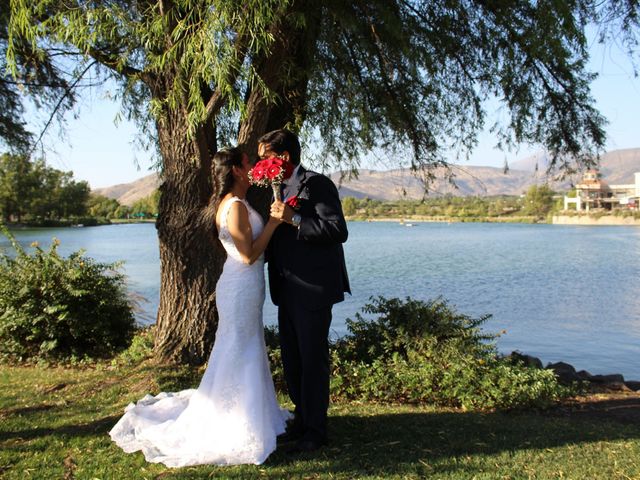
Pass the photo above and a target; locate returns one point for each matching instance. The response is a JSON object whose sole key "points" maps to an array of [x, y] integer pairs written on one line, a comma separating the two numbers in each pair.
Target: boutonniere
{"points": [[293, 202]]}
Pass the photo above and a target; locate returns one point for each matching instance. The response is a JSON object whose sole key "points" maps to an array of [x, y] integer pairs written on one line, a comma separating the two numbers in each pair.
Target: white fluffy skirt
{"points": [[232, 418]]}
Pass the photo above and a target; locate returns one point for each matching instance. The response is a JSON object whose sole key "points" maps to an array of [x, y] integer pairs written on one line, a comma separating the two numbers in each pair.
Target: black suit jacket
{"points": [[308, 262]]}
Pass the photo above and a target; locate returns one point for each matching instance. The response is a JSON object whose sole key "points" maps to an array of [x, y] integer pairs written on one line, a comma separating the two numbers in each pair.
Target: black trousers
{"points": [[304, 344]]}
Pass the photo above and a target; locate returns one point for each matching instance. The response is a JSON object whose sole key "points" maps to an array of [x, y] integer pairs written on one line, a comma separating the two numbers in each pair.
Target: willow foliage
{"points": [[403, 75], [180, 48], [35, 74]]}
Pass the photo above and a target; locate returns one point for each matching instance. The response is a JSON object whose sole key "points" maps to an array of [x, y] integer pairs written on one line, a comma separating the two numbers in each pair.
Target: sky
{"points": [[103, 153]]}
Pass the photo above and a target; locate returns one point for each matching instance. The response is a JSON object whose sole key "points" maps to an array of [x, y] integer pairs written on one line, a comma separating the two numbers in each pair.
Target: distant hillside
{"points": [[538, 161], [401, 184], [617, 167], [128, 193]]}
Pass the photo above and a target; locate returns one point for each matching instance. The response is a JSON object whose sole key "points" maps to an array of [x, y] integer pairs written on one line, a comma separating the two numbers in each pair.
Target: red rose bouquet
{"points": [[271, 172]]}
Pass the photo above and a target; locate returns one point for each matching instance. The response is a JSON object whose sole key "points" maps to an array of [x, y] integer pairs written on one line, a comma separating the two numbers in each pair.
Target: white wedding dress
{"points": [[233, 417]]}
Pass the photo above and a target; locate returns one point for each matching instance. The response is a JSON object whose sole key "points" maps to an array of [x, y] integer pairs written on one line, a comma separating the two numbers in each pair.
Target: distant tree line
{"points": [[538, 202], [32, 192], [100, 206]]}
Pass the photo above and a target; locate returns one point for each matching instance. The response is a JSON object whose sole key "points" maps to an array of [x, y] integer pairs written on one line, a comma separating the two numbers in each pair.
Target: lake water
{"points": [[565, 293]]}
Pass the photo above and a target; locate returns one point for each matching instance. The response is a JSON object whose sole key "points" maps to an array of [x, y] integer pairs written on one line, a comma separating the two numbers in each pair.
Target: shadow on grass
{"points": [[8, 412], [97, 427], [391, 444], [172, 378], [623, 408]]}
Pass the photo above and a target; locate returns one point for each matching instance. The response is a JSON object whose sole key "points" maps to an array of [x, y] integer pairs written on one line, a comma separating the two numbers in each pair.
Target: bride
{"points": [[233, 417]]}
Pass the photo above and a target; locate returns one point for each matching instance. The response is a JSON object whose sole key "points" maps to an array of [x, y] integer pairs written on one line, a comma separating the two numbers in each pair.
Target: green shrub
{"points": [[427, 352], [407, 326], [140, 349], [58, 308], [272, 340]]}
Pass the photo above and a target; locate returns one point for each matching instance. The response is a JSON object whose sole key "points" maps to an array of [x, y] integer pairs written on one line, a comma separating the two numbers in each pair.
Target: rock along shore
{"points": [[567, 374]]}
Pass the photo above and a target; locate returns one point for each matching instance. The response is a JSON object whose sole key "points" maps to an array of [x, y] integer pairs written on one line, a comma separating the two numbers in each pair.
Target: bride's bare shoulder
{"points": [[235, 209]]}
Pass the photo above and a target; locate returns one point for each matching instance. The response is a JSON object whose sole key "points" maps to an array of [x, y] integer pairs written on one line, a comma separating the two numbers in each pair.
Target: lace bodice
{"points": [[225, 237]]}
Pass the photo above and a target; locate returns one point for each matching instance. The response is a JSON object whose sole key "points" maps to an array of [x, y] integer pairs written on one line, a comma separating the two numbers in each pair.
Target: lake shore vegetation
{"points": [[535, 206], [55, 308], [143, 209], [33, 194], [426, 352]]}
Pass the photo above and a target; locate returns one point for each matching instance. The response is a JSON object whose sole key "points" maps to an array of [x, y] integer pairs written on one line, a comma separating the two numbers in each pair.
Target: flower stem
{"points": [[276, 190]]}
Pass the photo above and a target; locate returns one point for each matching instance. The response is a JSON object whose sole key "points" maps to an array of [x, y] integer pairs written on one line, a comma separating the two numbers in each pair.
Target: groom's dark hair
{"points": [[283, 140]]}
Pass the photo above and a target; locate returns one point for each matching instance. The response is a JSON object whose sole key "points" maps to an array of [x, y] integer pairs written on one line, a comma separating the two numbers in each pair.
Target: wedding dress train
{"points": [[233, 416]]}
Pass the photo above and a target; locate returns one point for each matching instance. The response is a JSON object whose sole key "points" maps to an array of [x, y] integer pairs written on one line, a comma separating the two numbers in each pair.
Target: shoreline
{"points": [[557, 219], [589, 220], [578, 220], [24, 226], [567, 373], [427, 219]]}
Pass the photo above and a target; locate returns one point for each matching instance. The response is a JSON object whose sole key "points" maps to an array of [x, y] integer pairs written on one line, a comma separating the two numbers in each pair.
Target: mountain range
{"points": [[617, 167]]}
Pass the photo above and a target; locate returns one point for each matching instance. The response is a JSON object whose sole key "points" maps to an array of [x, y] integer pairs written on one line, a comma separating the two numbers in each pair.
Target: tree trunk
{"points": [[294, 45], [191, 258], [290, 107]]}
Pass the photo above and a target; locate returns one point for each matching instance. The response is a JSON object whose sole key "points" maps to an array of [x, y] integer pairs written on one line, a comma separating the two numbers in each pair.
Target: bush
{"points": [[409, 326], [427, 352], [140, 349], [272, 340], [59, 308]]}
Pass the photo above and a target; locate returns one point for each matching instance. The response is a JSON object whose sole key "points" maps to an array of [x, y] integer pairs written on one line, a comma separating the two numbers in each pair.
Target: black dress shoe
{"points": [[291, 435], [294, 431], [305, 446]]}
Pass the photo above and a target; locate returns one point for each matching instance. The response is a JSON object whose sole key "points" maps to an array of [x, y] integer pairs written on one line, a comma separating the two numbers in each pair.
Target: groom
{"points": [[307, 275]]}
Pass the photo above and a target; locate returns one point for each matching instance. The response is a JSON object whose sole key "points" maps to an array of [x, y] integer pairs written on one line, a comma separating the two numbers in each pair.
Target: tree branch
{"points": [[217, 100], [114, 64], [66, 93], [43, 85]]}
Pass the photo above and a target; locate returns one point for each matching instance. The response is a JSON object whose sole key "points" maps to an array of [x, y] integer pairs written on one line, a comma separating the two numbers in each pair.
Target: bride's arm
{"points": [[240, 230]]}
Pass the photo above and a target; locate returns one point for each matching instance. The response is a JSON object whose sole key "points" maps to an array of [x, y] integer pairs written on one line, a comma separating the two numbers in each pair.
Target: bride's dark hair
{"points": [[222, 168], [222, 164]]}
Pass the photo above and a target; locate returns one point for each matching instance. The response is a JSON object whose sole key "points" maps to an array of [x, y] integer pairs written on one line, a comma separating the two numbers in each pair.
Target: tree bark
{"points": [[191, 258], [294, 46], [290, 106]]}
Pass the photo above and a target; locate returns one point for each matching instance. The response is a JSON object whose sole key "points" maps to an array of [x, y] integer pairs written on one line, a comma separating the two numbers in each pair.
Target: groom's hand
{"points": [[281, 211]]}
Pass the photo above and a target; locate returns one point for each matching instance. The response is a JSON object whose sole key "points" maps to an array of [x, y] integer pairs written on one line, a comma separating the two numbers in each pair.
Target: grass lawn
{"points": [[54, 424]]}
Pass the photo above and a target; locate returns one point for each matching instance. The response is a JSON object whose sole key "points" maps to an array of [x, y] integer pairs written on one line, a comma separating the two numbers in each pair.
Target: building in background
{"points": [[594, 193]]}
